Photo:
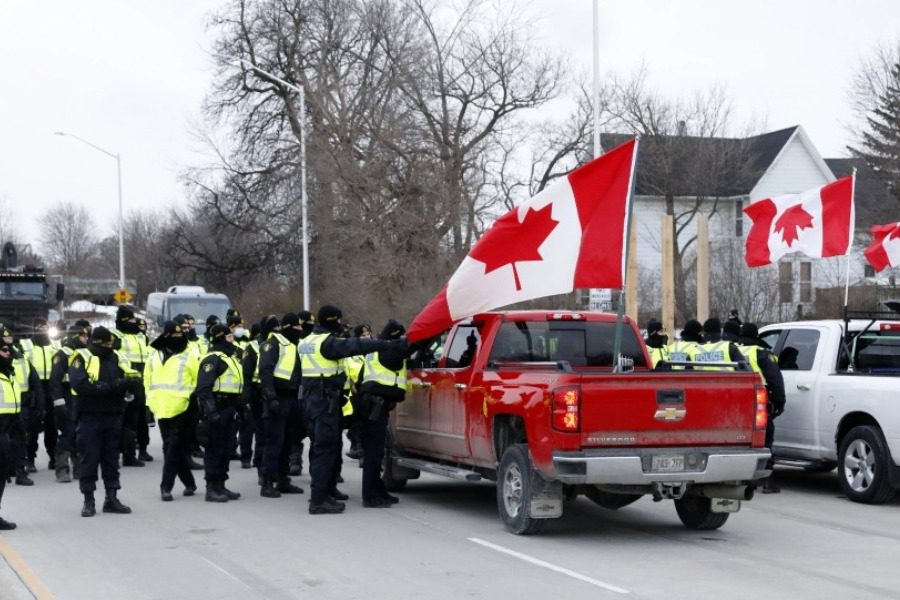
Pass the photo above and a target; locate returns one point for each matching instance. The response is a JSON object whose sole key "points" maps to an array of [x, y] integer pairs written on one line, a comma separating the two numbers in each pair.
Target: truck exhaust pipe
{"points": [[731, 492]]}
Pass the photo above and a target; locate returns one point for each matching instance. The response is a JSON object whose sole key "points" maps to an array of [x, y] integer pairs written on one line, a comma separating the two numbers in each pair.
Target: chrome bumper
{"points": [[619, 466]]}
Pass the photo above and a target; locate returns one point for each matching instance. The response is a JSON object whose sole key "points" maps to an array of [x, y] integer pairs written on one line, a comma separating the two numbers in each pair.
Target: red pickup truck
{"points": [[531, 400]]}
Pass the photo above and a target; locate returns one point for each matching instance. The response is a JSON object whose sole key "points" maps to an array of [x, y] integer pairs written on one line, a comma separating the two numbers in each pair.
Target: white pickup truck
{"points": [[843, 401]]}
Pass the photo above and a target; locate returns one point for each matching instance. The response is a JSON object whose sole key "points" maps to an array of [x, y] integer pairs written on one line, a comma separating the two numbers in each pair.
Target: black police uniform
{"points": [[42, 421]]}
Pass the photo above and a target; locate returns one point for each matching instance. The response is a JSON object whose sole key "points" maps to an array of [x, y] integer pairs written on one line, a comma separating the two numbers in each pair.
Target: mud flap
{"points": [[546, 498], [724, 505]]}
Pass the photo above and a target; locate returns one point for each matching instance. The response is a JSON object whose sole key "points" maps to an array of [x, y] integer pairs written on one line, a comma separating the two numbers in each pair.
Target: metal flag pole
{"points": [[850, 246], [620, 311]]}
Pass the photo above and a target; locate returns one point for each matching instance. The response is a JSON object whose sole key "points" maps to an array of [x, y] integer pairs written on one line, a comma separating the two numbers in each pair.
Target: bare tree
{"points": [[67, 238]]}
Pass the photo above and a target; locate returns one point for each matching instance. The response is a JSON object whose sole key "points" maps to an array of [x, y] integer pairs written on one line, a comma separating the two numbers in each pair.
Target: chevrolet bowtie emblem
{"points": [[670, 413]]}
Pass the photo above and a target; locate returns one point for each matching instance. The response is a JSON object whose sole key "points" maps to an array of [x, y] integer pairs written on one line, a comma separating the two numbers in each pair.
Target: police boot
{"points": [[29, 466], [62, 466], [326, 507], [22, 477], [88, 509], [113, 505], [286, 487], [231, 495], [130, 460], [213, 493], [268, 489], [144, 455], [6, 525]]}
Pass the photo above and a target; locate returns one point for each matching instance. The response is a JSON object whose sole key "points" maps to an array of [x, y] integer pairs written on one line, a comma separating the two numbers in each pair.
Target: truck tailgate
{"points": [[668, 409]]}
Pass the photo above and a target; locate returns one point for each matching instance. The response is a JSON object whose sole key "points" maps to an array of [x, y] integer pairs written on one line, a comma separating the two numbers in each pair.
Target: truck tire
{"points": [[391, 483], [863, 466], [695, 513], [515, 487]]}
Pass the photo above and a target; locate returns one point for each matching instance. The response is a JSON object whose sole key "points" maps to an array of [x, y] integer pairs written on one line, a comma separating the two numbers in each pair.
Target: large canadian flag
{"points": [[884, 251], [571, 234], [818, 223]]}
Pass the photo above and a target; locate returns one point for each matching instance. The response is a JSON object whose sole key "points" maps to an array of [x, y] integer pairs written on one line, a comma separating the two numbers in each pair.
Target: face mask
{"points": [[128, 327], [42, 339], [101, 351], [307, 328], [292, 335], [240, 332], [5, 363], [176, 344], [657, 341]]}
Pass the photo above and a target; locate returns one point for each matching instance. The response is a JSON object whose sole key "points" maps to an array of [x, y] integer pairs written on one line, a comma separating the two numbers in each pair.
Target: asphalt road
{"points": [[444, 540]]}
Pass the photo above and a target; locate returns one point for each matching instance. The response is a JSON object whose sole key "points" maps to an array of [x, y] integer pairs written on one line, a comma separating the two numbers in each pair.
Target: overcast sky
{"points": [[130, 76]]}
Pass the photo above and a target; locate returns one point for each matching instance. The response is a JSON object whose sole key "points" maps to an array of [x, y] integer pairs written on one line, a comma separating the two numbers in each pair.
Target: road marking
{"points": [[551, 566], [23, 572]]}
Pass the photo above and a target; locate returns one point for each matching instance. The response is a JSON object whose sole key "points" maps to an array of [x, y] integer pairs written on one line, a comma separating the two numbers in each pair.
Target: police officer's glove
{"points": [[273, 405], [777, 412], [119, 386], [203, 433], [210, 413]]}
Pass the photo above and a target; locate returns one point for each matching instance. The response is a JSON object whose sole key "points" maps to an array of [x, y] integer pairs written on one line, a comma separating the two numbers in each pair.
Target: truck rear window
{"points": [[877, 352], [580, 343]]}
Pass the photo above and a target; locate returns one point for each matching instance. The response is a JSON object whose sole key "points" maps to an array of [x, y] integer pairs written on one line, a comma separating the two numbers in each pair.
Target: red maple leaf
{"points": [[508, 241], [894, 233], [791, 222]]}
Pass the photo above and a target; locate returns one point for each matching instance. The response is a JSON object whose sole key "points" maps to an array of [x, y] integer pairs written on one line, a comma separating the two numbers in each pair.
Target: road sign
{"points": [[123, 296]]}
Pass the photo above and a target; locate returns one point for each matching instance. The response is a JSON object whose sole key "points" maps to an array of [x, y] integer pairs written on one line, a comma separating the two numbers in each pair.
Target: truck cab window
{"points": [[463, 347], [799, 349]]}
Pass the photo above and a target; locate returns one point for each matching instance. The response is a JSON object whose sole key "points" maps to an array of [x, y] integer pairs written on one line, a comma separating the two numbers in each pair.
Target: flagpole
{"points": [[596, 101], [850, 247], [620, 311]]}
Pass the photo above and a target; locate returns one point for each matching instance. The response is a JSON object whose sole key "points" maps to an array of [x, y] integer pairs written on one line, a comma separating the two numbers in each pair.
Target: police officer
{"points": [[323, 382], [382, 385], [353, 367], [691, 336], [763, 362], [10, 407], [220, 384], [279, 376], [39, 351], [66, 455], [657, 341], [170, 379], [135, 434], [102, 382], [714, 348], [32, 399], [298, 427], [186, 323], [242, 443], [252, 456]]}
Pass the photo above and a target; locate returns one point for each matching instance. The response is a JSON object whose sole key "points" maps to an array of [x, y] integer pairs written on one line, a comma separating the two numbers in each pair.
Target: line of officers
{"points": [[715, 342], [283, 381]]}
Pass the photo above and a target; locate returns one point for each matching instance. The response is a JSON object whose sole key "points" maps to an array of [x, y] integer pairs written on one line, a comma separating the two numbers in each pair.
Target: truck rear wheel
{"points": [[515, 488], [695, 512], [863, 468]]}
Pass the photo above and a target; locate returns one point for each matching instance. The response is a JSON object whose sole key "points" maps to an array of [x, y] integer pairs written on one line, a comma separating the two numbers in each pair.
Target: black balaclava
{"points": [[712, 330], [307, 322], [172, 338], [692, 331], [329, 318], [211, 320], [218, 339], [41, 335], [392, 330], [6, 365], [125, 321], [73, 339], [655, 337], [99, 337], [289, 324], [731, 331]]}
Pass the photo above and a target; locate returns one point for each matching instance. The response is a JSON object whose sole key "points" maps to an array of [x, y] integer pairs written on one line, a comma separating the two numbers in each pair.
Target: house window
{"points": [[806, 282], [869, 271], [785, 283], [739, 219]]}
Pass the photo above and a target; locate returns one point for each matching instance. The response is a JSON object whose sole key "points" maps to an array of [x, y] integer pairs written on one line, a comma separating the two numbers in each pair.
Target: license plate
{"points": [[666, 463]]}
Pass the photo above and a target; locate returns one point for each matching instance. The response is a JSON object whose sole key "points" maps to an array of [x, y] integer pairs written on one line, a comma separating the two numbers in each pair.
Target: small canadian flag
{"points": [[884, 251], [818, 223]]}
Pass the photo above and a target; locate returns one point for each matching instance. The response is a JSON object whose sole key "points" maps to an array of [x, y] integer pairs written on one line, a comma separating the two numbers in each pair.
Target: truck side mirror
{"points": [[60, 292]]}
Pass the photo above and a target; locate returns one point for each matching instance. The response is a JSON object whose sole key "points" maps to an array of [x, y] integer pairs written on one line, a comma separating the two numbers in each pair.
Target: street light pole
{"points": [[118, 158], [303, 199]]}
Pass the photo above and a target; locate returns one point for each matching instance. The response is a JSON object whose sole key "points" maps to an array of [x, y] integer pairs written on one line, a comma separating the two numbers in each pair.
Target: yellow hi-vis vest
{"points": [[10, 396], [378, 373], [658, 354], [169, 384], [752, 356], [41, 358], [287, 357], [23, 371], [681, 351], [712, 352], [311, 360], [255, 345], [92, 366], [134, 346], [352, 366], [231, 381]]}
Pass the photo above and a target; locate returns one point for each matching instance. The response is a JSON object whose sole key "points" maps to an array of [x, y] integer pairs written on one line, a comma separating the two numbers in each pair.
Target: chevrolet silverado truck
{"points": [[534, 401], [842, 388]]}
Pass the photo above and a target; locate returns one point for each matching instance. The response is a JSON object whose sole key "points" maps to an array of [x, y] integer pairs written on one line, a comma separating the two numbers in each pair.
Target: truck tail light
{"points": [[762, 408], [567, 408]]}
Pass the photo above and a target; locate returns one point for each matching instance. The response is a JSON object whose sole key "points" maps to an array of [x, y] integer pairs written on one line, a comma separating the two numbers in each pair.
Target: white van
{"points": [[185, 299]]}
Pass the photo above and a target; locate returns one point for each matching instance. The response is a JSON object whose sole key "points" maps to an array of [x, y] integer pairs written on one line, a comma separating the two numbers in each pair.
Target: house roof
{"points": [[693, 166], [875, 205]]}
